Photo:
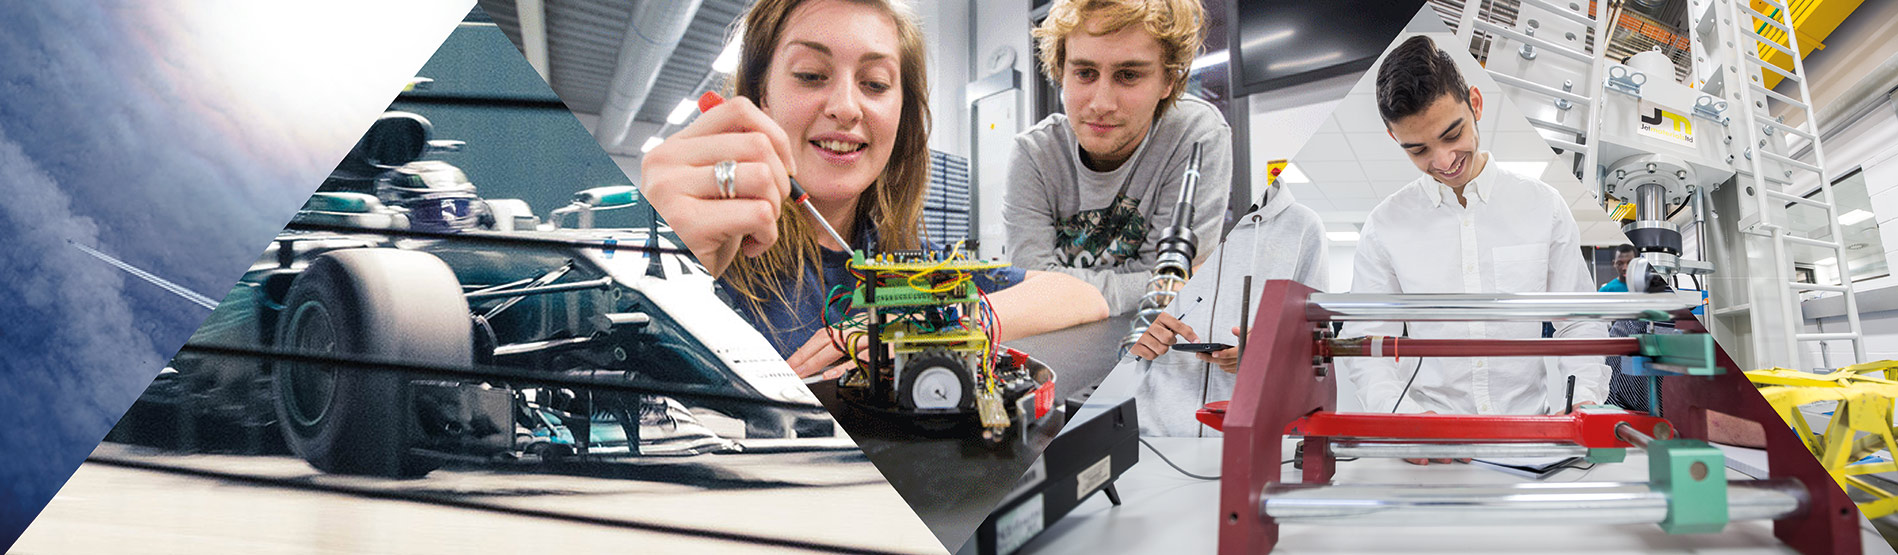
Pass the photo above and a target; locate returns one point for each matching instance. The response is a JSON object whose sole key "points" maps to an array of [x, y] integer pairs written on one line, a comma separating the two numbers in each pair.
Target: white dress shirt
{"points": [[1515, 236]]}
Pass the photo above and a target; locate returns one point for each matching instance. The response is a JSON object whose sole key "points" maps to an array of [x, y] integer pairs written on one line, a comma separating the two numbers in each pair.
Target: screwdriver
{"points": [[711, 100]]}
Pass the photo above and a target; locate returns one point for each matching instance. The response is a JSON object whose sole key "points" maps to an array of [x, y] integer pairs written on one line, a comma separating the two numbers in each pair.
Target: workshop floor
{"points": [[213, 503]]}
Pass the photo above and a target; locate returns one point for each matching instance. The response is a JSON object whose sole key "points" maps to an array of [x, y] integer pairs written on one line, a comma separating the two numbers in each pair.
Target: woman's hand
{"points": [[819, 356], [1161, 335], [680, 182]]}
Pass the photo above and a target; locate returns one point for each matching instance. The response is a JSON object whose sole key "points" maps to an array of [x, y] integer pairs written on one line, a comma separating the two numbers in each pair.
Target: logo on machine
{"points": [[1664, 124]]}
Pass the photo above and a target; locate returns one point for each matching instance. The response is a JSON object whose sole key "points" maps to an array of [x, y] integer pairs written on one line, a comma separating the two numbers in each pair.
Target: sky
{"points": [[176, 135]]}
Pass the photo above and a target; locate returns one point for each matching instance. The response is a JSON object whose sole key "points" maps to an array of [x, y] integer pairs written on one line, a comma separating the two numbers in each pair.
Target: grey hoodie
{"points": [[1048, 186], [1281, 240]]}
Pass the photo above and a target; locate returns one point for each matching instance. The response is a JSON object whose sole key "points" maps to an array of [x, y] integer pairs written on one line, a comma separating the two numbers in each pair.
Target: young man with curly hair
{"points": [[1091, 190]]}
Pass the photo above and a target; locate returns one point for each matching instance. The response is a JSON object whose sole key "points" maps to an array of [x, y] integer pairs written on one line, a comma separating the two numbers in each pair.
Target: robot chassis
{"points": [[1288, 389], [932, 350]]}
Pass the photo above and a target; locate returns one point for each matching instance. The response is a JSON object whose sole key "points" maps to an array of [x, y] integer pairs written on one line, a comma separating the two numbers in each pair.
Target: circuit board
{"points": [[930, 336]]}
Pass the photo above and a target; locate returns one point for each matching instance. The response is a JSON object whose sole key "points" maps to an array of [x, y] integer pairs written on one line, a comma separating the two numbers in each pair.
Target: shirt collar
{"points": [[1479, 188]]}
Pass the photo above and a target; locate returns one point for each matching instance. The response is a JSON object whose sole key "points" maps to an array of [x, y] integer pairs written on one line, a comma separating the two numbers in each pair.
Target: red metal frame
{"points": [[1830, 524], [1588, 429], [1285, 386]]}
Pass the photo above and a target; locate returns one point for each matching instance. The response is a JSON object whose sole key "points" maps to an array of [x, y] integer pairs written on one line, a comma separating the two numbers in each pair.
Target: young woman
{"points": [[834, 93]]}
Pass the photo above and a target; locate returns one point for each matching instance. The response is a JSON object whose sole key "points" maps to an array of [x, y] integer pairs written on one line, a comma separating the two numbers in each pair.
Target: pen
{"points": [[710, 100], [1571, 395]]}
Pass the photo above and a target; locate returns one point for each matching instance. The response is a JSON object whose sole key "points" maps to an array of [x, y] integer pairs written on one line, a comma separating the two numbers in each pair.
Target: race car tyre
{"points": [[376, 303]]}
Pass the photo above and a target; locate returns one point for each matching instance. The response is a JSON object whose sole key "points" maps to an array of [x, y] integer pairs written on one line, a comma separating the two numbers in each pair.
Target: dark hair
{"points": [[1414, 76], [1625, 249]]}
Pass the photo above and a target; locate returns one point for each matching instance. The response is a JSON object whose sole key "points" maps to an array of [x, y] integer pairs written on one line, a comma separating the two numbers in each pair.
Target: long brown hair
{"points": [[892, 204]]}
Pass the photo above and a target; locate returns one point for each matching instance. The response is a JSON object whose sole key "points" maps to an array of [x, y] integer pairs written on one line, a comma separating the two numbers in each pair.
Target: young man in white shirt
{"points": [[1466, 226], [1091, 191]]}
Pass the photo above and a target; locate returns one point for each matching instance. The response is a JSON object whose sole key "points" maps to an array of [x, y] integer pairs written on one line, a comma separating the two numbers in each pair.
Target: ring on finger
{"points": [[726, 173]]}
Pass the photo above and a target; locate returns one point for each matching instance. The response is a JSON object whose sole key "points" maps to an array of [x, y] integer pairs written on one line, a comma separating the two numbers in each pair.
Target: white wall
{"points": [[945, 31]]}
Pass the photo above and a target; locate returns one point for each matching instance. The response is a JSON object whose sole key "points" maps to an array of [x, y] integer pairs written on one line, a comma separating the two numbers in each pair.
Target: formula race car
{"points": [[397, 259]]}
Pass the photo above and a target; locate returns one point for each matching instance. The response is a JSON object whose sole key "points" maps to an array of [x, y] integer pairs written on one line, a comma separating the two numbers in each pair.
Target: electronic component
{"points": [[929, 334]]}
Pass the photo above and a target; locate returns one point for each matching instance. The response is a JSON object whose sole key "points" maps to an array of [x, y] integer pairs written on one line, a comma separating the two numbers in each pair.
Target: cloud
{"points": [[78, 361], [177, 135]]}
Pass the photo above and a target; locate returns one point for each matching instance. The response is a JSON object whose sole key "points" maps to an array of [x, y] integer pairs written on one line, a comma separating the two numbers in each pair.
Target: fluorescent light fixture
{"points": [[1531, 169], [651, 143], [1828, 261], [727, 61], [1291, 174], [1342, 236], [1855, 216], [1312, 61], [1211, 60], [682, 112]]}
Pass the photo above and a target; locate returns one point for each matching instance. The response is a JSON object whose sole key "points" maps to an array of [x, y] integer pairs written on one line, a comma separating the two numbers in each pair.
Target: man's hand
{"points": [[1439, 461], [1226, 359], [1165, 331]]}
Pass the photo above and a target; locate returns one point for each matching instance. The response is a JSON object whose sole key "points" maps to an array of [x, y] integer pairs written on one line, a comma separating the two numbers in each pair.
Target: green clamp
{"points": [[1606, 455], [1693, 475], [1691, 354]]}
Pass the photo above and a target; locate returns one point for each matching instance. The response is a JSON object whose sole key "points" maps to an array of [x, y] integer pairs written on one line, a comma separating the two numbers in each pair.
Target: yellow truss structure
{"points": [[1861, 422]]}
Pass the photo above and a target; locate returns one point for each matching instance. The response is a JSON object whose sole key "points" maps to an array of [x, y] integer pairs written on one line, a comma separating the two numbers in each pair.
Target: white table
{"points": [[1165, 512]]}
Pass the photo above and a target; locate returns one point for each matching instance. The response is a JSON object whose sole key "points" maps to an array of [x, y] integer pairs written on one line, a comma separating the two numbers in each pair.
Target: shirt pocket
{"points": [[1521, 268]]}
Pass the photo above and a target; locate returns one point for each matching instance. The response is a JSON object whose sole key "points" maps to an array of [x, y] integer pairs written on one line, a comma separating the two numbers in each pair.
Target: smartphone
{"points": [[1200, 347]]}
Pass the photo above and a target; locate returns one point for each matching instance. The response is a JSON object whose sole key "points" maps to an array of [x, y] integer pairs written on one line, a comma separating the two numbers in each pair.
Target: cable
{"points": [[1169, 462], [1677, 210], [1413, 378]]}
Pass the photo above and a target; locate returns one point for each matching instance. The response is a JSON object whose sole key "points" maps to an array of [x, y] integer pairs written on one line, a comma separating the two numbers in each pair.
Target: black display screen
{"points": [[1287, 42]]}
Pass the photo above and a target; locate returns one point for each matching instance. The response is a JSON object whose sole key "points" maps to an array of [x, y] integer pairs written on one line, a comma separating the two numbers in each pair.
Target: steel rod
{"points": [[1376, 450], [1632, 436], [601, 283], [1530, 307], [1511, 504], [1382, 346]]}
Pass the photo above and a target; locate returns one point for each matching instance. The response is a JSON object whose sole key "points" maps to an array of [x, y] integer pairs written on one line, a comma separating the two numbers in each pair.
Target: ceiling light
{"points": [[727, 62], [1211, 60], [682, 112], [1855, 216], [1342, 236], [651, 143], [1291, 174], [1531, 169]]}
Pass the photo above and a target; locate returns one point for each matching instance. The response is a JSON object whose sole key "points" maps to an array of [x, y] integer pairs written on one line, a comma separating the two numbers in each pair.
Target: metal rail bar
{"points": [[1380, 450], [1382, 346], [1461, 307], [1511, 504], [1539, 43]]}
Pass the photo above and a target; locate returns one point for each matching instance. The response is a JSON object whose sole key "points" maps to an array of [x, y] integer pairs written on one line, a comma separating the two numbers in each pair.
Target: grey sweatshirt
{"points": [[1048, 184], [1281, 240]]}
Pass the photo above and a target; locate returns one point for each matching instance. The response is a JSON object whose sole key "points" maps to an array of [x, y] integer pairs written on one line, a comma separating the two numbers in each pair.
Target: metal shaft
{"points": [[1364, 450], [1383, 346], [1632, 436], [1511, 504], [1461, 307], [1650, 203]]}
